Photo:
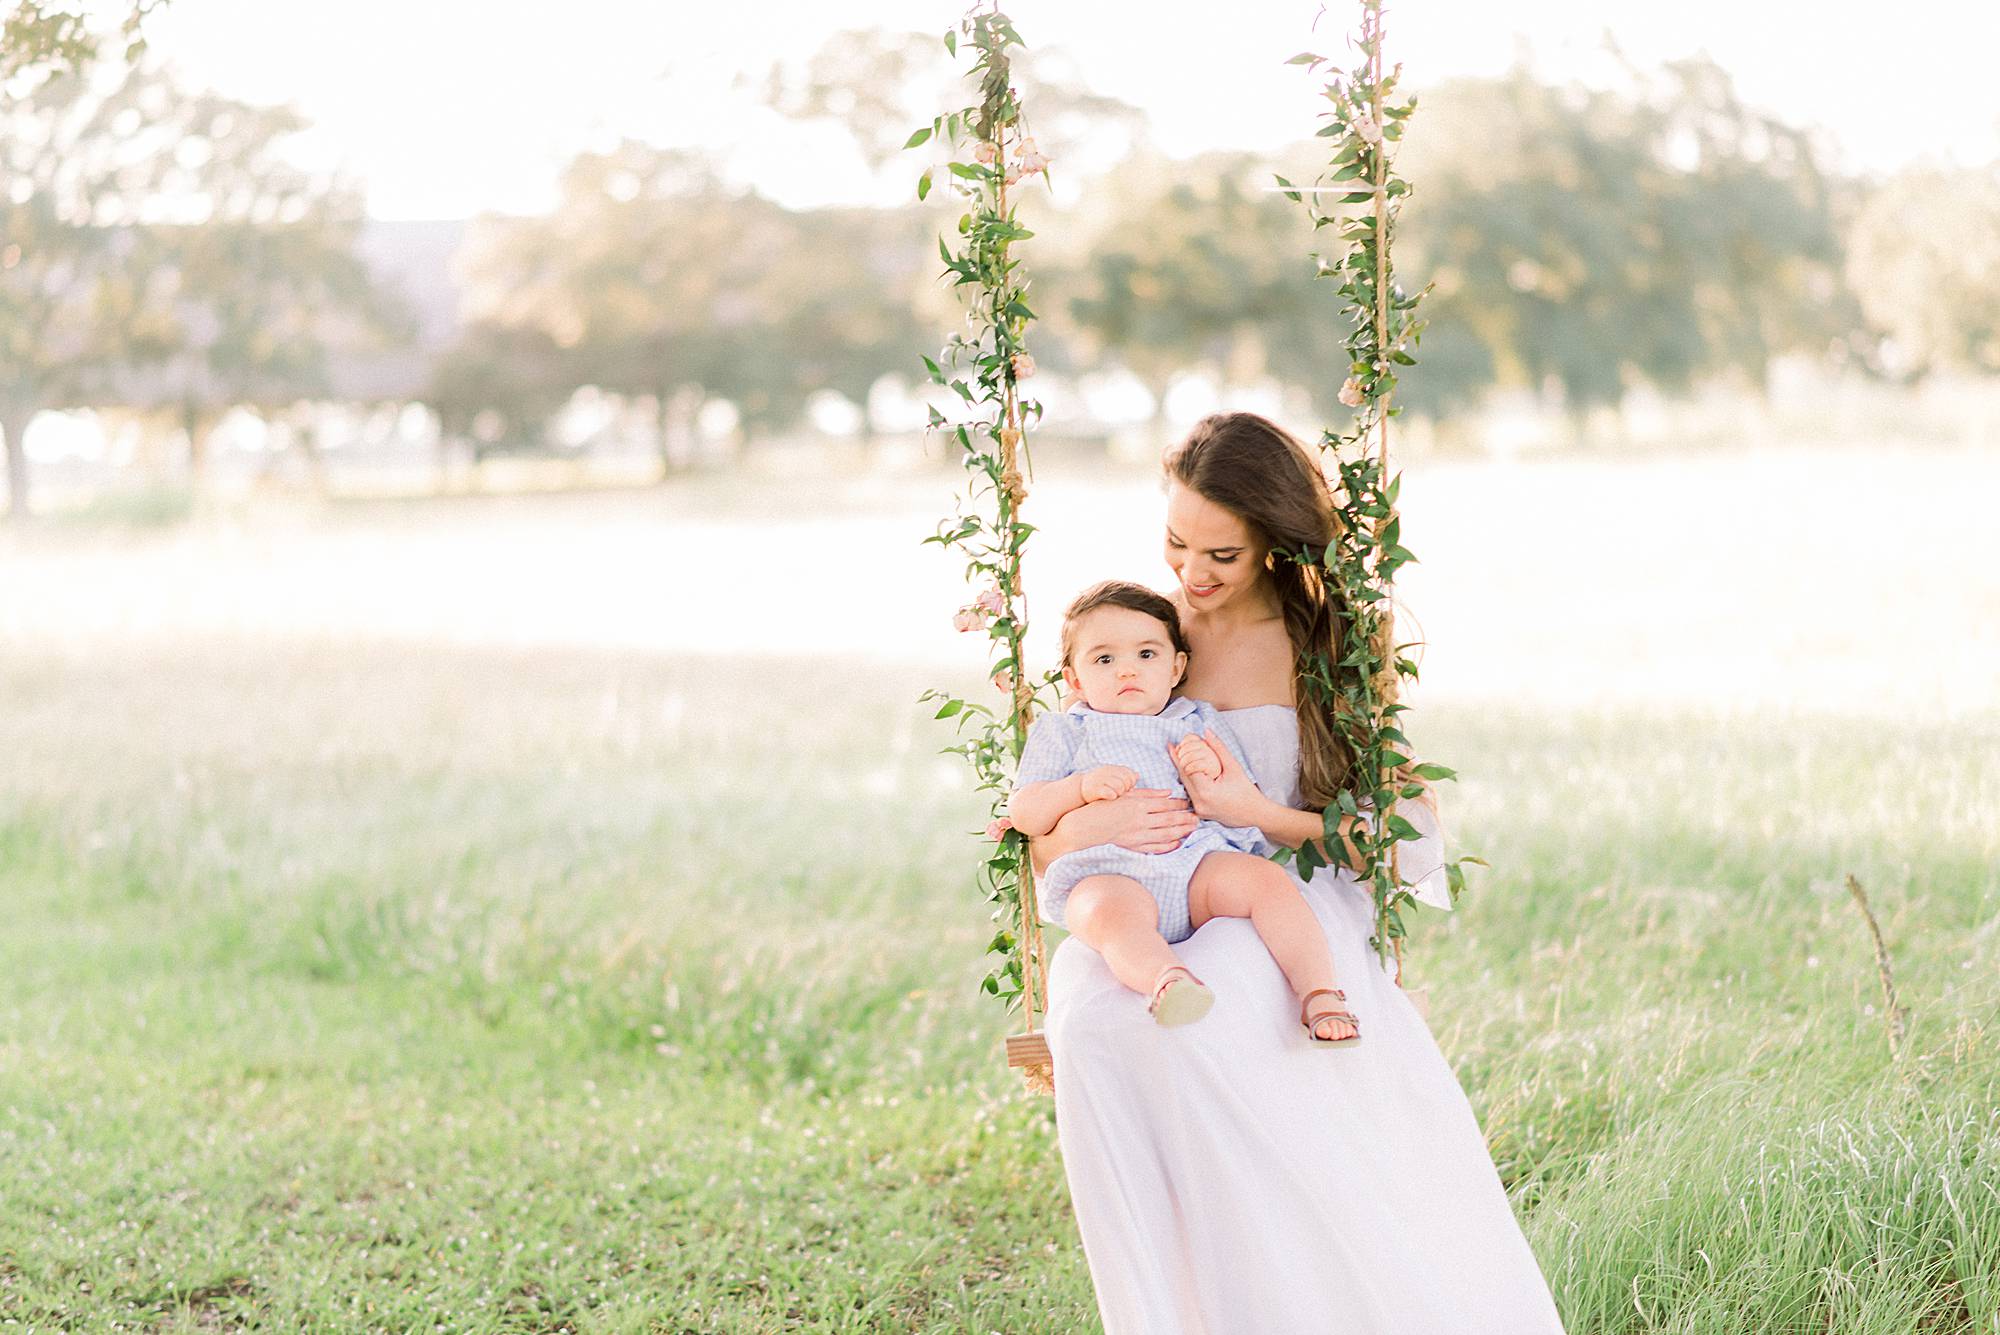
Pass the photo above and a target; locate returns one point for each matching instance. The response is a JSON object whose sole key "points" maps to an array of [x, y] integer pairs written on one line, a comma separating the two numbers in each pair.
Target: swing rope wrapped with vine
{"points": [[1356, 570]]}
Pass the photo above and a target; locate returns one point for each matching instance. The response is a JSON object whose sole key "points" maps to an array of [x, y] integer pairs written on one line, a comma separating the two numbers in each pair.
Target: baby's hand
{"points": [[1107, 783], [1196, 758]]}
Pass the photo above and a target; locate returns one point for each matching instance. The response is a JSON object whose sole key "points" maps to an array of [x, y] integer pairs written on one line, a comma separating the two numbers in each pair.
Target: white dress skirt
{"points": [[1230, 1178]]}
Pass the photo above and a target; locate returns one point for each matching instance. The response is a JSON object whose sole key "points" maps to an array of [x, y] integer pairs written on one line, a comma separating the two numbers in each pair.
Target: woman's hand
{"points": [[1228, 798], [1193, 755], [1145, 820]]}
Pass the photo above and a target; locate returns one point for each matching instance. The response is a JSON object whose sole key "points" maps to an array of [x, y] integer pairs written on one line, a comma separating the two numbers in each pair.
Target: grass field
{"points": [[392, 981]]}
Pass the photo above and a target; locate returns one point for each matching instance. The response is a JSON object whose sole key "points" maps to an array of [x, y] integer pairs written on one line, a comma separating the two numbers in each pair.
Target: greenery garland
{"points": [[985, 370], [1359, 566]]}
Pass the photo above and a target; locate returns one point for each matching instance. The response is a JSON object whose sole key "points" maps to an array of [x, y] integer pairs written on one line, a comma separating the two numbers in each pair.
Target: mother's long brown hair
{"points": [[1258, 471]]}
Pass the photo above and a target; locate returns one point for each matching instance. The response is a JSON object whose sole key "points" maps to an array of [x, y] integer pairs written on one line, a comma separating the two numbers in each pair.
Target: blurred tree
{"points": [[654, 281], [39, 40], [1591, 238], [1924, 260], [630, 278], [158, 250], [55, 270], [843, 296], [1214, 269], [498, 386], [258, 275], [873, 83], [879, 85], [73, 280]]}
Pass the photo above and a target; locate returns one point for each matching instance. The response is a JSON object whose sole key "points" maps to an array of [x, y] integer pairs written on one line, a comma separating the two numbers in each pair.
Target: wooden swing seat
{"points": [[1029, 1049]]}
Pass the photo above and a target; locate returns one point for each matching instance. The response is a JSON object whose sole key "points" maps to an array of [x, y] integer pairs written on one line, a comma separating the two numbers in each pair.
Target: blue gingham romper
{"points": [[1081, 738]]}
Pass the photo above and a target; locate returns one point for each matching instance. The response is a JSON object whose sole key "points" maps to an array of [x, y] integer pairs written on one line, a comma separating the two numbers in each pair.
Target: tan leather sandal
{"points": [[1179, 997], [1312, 1021]]}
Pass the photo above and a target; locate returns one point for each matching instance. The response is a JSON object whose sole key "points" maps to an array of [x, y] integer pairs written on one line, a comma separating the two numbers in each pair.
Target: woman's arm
{"points": [[1291, 827], [1233, 799], [1145, 820]]}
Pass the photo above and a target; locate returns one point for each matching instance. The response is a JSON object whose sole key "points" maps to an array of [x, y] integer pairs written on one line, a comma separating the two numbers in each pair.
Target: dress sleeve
{"points": [[1420, 861], [1050, 752]]}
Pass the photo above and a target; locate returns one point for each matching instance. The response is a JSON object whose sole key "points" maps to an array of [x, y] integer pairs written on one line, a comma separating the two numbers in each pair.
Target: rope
{"points": [[1371, 27], [1034, 976]]}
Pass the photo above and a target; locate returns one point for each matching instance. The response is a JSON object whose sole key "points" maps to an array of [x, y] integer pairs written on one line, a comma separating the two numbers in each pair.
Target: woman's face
{"points": [[1210, 549]]}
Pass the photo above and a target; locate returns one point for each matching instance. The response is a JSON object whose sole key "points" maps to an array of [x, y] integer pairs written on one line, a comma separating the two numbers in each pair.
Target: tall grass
{"points": [[353, 987]]}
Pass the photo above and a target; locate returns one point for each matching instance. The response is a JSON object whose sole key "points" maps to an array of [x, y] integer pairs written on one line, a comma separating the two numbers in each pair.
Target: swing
{"points": [[1361, 560]]}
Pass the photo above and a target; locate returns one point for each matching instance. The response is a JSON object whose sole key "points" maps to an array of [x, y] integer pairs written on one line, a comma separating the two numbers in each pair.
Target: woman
{"points": [[1228, 1177]]}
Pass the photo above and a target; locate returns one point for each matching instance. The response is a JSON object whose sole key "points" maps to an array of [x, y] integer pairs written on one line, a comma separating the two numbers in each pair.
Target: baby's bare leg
{"points": [[1243, 885], [1118, 919]]}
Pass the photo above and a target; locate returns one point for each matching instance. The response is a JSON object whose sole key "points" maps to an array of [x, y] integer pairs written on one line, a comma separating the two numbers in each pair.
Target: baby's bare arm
{"points": [[1036, 807]]}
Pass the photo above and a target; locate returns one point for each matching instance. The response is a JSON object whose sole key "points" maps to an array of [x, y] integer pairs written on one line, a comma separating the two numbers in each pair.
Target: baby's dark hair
{"points": [[1121, 593]]}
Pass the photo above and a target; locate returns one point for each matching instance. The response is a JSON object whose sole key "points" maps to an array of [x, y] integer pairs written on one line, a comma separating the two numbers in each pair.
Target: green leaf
{"points": [[951, 44], [951, 707], [1437, 771], [924, 184], [919, 137]]}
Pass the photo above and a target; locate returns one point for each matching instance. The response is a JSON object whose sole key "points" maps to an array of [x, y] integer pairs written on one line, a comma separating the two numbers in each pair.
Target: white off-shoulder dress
{"points": [[1229, 1178]]}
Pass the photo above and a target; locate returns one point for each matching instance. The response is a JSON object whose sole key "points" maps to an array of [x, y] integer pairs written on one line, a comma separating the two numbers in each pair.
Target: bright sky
{"points": [[447, 108]]}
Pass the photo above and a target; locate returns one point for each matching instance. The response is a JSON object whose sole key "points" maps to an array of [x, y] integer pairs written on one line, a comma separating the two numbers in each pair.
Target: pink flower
{"points": [[968, 618], [994, 829], [1003, 682], [1350, 393], [1024, 366], [990, 601], [1031, 158], [1364, 125], [985, 152]]}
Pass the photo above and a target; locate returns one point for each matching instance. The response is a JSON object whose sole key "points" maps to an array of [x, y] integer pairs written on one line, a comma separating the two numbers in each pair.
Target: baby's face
{"points": [[1125, 662]]}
